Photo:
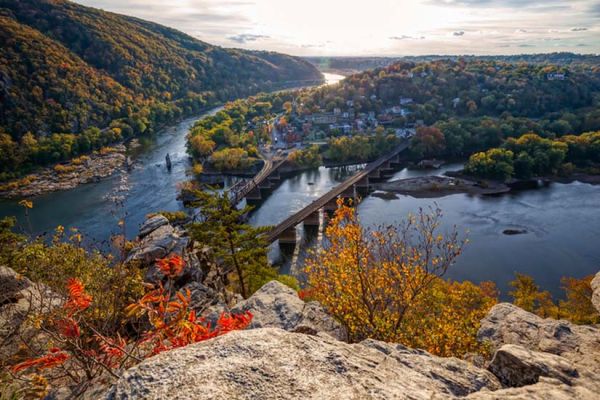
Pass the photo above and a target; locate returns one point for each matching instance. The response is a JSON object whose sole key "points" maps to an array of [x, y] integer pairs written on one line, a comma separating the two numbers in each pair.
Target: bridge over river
{"points": [[379, 169]]}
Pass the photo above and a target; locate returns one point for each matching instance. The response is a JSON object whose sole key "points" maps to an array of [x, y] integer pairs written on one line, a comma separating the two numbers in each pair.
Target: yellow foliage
{"points": [[112, 285], [577, 307], [106, 150], [197, 169], [386, 284], [79, 160], [64, 169]]}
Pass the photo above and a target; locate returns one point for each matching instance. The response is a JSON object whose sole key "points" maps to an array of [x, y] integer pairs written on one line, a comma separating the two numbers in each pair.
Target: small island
{"points": [[439, 186]]}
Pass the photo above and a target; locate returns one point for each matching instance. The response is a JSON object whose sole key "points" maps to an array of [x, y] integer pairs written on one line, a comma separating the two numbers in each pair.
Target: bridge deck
{"points": [[268, 168], [332, 194]]}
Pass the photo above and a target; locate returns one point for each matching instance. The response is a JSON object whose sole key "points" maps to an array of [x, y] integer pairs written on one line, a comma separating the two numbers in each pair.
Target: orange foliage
{"points": [[171, 324], [174, 325], [78, 300], [53, 358], [171, 267]]}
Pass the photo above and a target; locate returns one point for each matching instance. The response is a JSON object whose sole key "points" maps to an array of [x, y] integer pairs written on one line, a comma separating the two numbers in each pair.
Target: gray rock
{"points": [[271, 363], [158, 239], [546, 389], [156, 244], [507, 324], [20, 299], [516, 366], [151, 224], [596, 291], [276, 305]]}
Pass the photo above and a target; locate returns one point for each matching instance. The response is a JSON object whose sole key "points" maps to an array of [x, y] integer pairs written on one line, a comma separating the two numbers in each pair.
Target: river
{"points": [[148, 187], [562, 220]]}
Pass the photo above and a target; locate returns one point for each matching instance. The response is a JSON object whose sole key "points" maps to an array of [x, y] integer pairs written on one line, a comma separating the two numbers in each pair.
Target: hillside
{"points": [[65, 68]]}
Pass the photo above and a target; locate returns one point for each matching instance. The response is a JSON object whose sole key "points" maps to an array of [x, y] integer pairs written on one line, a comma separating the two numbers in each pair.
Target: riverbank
{"points": [[532, 183], [437, 186], [85, 169]]}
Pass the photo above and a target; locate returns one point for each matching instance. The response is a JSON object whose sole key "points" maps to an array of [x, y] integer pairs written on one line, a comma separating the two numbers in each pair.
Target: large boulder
{"points": [[271, 363], [577, 348], [151, 224], [276, 305], [545, 389], [158, 243], [596, 291], [517, 366], [157, 238]]}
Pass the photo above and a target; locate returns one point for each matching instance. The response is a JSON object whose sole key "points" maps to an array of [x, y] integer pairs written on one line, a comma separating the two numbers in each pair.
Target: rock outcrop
{"points": [[534, 358], [20, 299], [158, 238], [529, 348], [270, 363], [276, 305], [517, 366], [596, 291]]}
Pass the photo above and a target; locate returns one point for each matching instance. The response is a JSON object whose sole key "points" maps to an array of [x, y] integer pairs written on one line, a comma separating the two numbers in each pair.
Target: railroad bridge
{"points": [[262, 183], [357, 184]]}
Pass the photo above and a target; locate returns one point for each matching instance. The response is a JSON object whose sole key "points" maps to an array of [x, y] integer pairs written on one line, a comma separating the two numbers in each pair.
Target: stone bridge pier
{"points": [[288, 237]]}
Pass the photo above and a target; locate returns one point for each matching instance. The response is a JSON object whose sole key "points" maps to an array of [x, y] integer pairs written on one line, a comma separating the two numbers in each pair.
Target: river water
{"points": [[562, 220], [562, 223], [147, 188]]}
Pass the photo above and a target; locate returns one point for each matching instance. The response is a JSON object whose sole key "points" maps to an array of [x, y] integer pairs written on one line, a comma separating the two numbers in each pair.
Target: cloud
{"points": [[437, 26], [312, 46], [594, 10], [496, 3], [407, 37], [247, 37]]}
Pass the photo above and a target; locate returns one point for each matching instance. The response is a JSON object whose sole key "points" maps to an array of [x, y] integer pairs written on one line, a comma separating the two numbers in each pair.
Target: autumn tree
{"points": [[201, 147], [527, 295], [76, 348], [306, 158], [576, 307], [428, 141], [386, 283], [494, 164]]}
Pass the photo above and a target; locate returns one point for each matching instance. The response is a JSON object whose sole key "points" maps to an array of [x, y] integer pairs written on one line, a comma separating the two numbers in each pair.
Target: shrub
{"points": [[386, 284], [80, 349], [64, 169]]}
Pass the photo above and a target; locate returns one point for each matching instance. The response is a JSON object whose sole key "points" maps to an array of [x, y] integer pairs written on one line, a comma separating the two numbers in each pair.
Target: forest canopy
{"points": [[66, 69]]}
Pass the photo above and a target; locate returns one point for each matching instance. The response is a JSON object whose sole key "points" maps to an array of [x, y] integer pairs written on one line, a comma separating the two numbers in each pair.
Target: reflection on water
{"points": [[331, 79], [561, 220]]}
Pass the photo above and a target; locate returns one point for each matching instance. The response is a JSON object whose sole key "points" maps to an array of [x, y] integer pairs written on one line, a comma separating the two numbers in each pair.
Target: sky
{"points": [[378, 27]]}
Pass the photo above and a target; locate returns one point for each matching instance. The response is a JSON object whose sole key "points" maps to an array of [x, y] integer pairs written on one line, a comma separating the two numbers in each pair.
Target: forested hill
{"points": [[354, 64], [65, 67]]}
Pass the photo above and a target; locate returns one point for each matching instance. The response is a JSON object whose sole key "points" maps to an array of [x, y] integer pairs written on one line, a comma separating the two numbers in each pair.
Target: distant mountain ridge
{"points": [[65, 67], [361, 63]]}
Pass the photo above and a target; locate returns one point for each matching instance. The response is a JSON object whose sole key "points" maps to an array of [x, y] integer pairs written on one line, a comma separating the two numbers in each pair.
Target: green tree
{"points": [[240, 248]]}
